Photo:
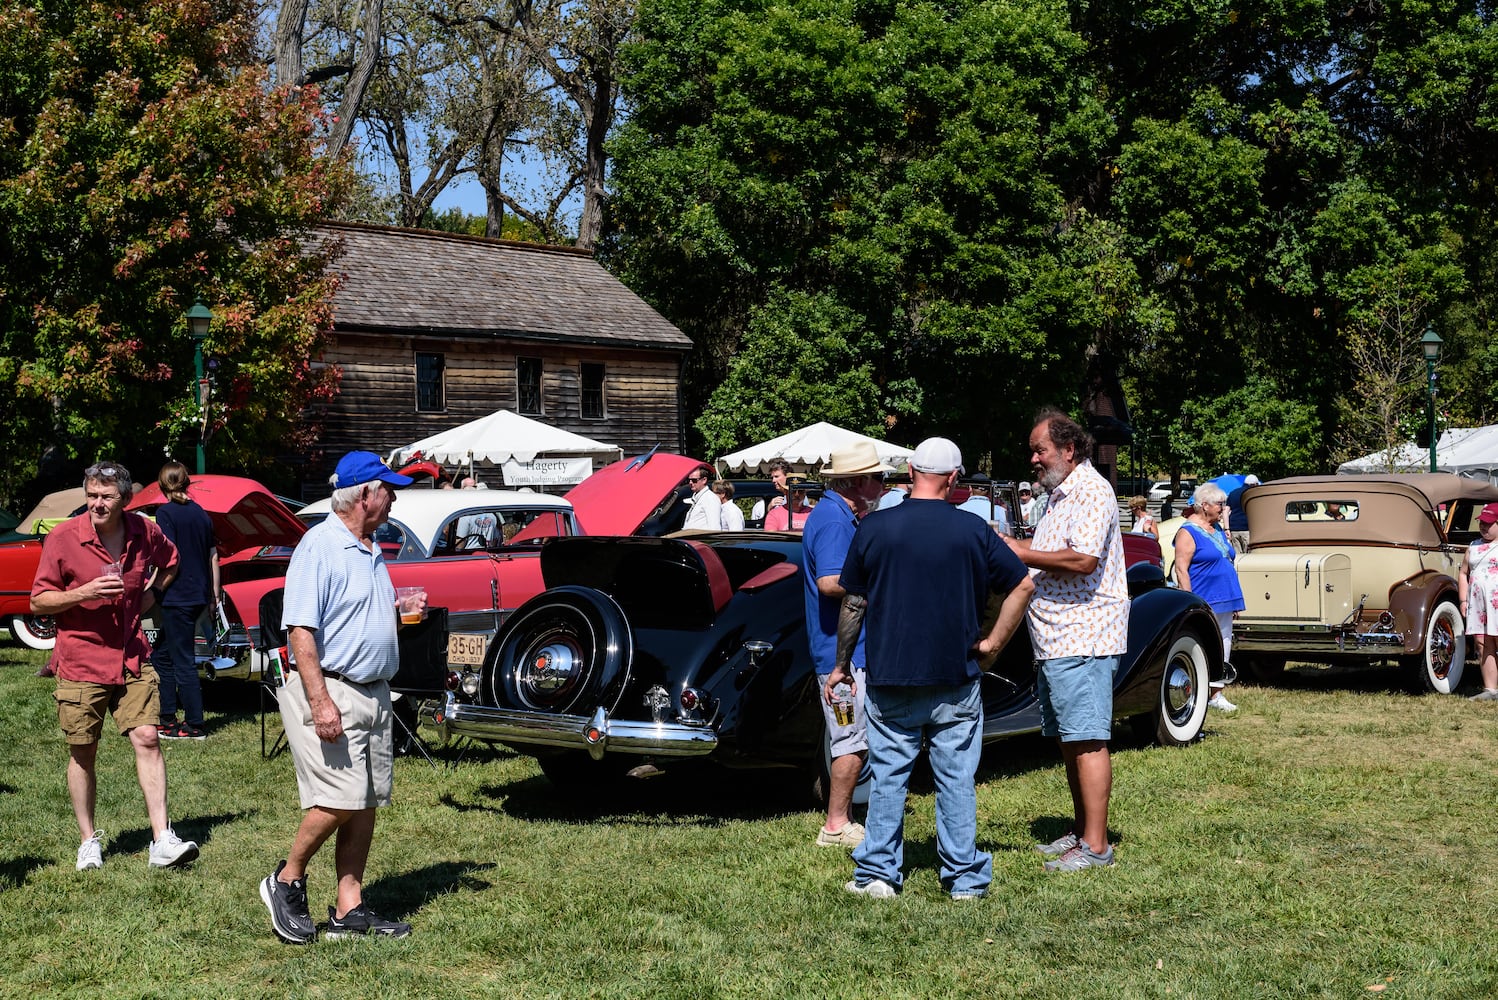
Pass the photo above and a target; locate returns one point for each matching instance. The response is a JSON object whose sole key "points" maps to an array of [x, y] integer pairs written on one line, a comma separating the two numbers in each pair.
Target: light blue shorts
{"points": [[1076, 697]]}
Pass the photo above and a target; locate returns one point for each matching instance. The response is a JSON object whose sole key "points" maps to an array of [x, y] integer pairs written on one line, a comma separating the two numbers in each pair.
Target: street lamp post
{"points": [[1430, 343], [198, 320]]}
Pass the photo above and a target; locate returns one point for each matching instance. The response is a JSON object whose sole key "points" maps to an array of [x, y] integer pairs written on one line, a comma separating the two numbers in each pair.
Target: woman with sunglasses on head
{"points": [[1204, 565]]}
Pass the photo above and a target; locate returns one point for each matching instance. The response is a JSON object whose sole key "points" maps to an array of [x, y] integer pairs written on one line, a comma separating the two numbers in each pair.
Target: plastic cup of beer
{"points": [[113, 569], [412, 604]]}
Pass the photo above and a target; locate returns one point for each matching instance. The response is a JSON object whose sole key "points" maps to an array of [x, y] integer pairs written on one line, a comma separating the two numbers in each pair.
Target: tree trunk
{"points": [[291, 26], [370, 26]]}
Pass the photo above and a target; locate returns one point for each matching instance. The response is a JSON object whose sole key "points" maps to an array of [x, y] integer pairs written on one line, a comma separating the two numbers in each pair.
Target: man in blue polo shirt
{"points": [[340, 617], [922, 573], [854, 479]]}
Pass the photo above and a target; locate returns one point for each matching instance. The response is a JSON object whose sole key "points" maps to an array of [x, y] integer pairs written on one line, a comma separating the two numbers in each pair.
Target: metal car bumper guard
{"points": [[597, 734], [1310, 639]]}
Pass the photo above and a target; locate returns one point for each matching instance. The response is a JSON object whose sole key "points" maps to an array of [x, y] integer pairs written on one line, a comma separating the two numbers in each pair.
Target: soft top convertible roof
{"points": [[1391, 509]]}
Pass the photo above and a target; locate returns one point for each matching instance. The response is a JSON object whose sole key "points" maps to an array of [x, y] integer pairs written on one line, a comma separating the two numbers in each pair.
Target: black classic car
{"points": [[665, 648]]}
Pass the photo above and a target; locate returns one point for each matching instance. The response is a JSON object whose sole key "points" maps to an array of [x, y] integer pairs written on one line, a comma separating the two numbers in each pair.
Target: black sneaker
{"points": [[288, 908], [361, 921], [170, 731]]}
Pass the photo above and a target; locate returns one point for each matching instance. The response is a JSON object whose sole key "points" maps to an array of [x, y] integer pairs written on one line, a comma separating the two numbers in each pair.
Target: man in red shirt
{"points": [[94, 578]]}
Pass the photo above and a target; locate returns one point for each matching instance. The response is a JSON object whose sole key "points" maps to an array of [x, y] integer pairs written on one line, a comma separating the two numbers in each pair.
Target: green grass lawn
{"points": [[1331, 839]]}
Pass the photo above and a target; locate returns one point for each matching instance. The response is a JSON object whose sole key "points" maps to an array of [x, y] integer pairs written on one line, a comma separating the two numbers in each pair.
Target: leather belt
{"points": [[343, 677]]}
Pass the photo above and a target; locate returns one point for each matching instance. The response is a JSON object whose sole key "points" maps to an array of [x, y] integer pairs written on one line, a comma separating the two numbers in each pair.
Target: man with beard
{"points": [[1079, 622]]}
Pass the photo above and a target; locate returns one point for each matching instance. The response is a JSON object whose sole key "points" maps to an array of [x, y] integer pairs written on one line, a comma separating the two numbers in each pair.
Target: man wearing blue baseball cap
{"points": [[341, 621]]}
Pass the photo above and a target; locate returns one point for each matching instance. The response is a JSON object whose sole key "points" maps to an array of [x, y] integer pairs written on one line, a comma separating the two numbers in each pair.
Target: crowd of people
{"points": [[896, 631]]}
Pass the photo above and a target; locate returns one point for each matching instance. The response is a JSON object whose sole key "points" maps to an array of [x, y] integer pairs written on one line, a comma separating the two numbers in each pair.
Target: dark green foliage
{"points": [[927, 217]]}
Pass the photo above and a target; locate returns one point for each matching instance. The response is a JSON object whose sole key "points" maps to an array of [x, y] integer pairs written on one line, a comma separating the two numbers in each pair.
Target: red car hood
{"points": [[245, 514], [619, 498]]}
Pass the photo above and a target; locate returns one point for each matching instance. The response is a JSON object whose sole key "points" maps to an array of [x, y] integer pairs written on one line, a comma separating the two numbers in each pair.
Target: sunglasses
{"points": [[696, 479]]}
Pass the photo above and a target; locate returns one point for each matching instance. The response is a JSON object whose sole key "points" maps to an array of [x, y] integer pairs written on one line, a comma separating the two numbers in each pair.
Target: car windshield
{"points": [[494, 528], [1321, 510]]}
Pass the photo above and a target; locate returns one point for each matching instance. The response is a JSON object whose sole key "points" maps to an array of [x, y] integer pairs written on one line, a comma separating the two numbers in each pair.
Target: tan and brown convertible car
{"points": [[1358, 568]]}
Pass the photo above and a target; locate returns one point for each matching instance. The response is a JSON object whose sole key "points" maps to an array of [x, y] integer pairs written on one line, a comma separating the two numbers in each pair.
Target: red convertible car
{"points": [[479, 588]]}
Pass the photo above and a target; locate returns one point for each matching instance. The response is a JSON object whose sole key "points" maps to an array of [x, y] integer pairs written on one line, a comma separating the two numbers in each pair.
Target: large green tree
{"points": [[860, 207], [144, 163]]}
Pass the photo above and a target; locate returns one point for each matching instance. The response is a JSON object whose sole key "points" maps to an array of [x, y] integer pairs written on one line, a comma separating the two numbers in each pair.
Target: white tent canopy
{"points": [[807, 450], [507, 439], [1466, 451]]}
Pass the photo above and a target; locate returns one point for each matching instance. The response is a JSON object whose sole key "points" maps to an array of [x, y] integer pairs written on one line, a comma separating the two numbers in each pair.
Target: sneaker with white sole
{"points": [[850, 834], [1221, 704], [874, 889], [91, 853], [1080, 857], [361, 921], [1059, 846], [171, 851], [1486, 694], [287, 903]]}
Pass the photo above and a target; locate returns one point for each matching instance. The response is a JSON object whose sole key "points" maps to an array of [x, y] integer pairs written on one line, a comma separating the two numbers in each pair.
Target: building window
{"points": [[592, 391], [528, 385], [429, 396]]}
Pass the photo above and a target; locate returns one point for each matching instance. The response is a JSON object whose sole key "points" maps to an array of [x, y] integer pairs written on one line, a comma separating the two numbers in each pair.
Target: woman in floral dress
{"points": [[1477, 587]]}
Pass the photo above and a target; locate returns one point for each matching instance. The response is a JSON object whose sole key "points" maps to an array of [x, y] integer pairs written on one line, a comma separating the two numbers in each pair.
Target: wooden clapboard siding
{"points": [[482, 304]]}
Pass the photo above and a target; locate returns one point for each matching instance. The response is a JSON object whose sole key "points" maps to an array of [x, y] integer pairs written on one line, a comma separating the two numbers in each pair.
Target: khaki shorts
{"points": [[81, 706], [356, 770]]}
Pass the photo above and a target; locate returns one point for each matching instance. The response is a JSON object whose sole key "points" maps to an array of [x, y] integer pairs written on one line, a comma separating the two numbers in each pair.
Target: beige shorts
{"points": [[81, 706], [355, 771]]}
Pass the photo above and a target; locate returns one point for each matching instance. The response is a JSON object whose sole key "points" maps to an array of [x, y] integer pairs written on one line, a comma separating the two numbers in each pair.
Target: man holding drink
{"points": [[341, 613], [93, 577], [854, 478]]}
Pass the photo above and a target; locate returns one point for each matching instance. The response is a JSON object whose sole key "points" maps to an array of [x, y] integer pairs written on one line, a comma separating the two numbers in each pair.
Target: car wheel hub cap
{"points": [[1180, 692], [550, 672]]}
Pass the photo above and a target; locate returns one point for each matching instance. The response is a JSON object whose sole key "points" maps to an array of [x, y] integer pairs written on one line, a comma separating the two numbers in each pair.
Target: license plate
{"points": [[466, 649]]}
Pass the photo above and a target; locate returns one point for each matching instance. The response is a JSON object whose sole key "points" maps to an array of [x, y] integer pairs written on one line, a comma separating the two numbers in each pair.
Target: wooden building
{"points": [[432, 330]]}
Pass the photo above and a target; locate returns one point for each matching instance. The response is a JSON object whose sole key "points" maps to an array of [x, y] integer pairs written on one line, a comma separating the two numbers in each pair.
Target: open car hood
{"points": [[619, 499], [245, 514]]}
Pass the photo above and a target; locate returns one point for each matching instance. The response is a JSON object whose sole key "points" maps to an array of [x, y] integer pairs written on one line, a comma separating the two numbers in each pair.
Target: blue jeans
{"points": [[951, 719], [176, 665]]}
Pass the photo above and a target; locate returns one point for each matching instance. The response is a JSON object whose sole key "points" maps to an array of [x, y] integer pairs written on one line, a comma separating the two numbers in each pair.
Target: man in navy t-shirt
{"points": [[919, 576]]}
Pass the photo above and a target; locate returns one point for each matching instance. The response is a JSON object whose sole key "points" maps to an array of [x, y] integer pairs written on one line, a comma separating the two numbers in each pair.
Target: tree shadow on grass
{"points": [[400, 896], [13, 872], [1351, 678], [697, 793], [195, 828]]}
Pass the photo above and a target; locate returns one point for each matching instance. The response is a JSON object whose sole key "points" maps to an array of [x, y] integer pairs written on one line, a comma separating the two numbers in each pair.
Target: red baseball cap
{"points": [[1489, 514]]}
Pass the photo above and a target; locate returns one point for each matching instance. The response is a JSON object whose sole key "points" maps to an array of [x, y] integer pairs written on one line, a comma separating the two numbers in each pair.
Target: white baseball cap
{"points": [[936, 455]]}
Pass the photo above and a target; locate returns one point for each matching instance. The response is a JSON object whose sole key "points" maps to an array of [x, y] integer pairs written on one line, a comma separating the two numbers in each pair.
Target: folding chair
{"points": [[272, 645]]}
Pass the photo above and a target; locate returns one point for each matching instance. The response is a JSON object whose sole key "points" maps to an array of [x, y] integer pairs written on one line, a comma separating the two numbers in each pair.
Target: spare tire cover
{"points": [[565, 651]]}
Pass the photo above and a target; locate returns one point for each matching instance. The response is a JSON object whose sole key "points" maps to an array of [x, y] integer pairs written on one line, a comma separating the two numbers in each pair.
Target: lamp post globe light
{"points": [[199, 318], [1430, 344]]}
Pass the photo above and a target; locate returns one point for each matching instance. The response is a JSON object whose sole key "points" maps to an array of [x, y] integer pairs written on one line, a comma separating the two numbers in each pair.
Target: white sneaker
{"points": [[171, 850], [91, 853], [874, 889], [1221, 704]]}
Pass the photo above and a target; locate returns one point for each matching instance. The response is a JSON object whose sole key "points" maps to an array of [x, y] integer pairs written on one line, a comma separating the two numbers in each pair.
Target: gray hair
{"points": [[110, 472], [1209, 493], [345, 497]]}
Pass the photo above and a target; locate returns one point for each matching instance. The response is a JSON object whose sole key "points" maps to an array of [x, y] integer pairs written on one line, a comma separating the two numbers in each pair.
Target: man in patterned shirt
{"points": [[1079, 623]]}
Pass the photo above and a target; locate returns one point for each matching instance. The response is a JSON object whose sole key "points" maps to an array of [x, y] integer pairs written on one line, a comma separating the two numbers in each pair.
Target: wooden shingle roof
{"points": [[424, 283]]}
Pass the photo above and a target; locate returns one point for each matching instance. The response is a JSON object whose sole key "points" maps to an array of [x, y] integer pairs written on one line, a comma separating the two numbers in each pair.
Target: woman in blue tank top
{"points": [[1204, 565]]}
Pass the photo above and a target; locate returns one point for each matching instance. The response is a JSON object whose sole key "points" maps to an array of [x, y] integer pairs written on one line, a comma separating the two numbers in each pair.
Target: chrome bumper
{"points": [[1312, 639], [597, 734]]}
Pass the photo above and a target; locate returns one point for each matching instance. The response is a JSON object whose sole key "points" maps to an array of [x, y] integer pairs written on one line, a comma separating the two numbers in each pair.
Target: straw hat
{"points": [[858, 459]]}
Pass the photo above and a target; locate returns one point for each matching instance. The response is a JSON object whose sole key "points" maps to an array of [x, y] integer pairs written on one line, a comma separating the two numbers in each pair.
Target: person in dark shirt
{"points": [[196, 586], [922, 572]]}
